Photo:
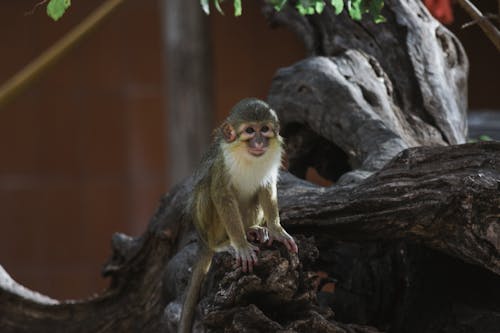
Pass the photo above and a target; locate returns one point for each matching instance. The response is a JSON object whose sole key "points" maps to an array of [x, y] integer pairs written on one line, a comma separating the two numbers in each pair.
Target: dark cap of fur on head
{"points": [[251, 110]]}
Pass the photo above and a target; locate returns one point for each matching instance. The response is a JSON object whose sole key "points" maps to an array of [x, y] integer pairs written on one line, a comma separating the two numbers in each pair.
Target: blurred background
{"points": [[84, 151]]}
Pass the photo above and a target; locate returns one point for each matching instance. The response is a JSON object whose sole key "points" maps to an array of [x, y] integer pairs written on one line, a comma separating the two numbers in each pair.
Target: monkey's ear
{"points": [[228, 132]]}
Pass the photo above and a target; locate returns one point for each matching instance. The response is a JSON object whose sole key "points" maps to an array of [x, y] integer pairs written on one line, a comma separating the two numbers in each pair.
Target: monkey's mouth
{"points": [[257, 151]]}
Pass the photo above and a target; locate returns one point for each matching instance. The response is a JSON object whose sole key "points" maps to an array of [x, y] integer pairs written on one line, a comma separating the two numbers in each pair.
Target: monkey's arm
{"points": [[269, 200], [229, 214]]}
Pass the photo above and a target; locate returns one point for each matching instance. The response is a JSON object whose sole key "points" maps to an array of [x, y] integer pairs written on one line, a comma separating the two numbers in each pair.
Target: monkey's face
{"points": [[256, 136]]}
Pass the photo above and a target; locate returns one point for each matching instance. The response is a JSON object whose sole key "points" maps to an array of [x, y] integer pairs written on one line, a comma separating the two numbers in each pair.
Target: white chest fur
{"points": [[249, 173]]}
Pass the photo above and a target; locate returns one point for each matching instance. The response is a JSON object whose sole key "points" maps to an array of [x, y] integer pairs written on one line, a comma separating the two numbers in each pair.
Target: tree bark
{"points": [[406, 240], [189, 96]]}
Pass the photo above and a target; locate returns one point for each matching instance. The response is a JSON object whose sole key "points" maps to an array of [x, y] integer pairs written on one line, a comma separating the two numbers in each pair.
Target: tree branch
{"points": [[48, 58], [488, 28], [447, 198]]}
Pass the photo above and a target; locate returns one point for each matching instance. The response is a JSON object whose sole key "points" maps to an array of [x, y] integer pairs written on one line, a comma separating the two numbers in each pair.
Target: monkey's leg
{"points": [[193, 290], [269, 203], [229, 214]]}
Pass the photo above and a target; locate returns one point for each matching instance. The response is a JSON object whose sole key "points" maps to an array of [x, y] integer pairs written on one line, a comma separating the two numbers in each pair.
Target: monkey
{"points": [[234, 199]]}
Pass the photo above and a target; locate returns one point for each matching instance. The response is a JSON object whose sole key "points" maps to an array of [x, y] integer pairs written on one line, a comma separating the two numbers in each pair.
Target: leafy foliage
{"points": [[56, 8], [483, 137], [205, 5], [375, 8], [338, 5], [355, 8]]}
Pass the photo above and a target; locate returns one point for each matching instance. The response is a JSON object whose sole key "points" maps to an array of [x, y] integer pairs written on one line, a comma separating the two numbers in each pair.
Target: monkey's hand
{"points": [[246, 256], [282, 236], [258, 234]]}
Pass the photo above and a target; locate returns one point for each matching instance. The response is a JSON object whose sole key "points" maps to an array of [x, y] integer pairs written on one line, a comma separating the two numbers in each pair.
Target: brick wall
{"points": [[82, 151]]}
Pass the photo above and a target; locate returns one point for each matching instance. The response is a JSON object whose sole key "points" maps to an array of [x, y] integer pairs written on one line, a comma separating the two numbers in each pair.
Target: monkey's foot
{"points": [[246, 257], [285, 238], [257, 234]]}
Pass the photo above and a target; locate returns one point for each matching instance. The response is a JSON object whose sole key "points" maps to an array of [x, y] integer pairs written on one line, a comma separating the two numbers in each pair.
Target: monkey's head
{"points": [[252, 125]]}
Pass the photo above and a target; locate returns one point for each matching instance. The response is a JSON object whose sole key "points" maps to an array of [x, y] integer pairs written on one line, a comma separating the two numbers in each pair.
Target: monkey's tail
{"points": [[193, 290]]}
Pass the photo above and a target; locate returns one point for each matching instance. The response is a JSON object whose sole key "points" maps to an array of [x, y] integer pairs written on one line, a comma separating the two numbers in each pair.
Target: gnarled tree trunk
{"points": [[406, 240]]}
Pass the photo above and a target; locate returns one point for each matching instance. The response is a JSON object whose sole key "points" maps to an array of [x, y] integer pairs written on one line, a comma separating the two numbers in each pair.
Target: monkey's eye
{"points": [[249, 130], [264, 129]]}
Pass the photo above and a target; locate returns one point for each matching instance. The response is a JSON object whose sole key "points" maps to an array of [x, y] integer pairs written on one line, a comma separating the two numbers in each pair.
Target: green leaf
{"points": [[338, 5], [307, 7], [278, 4], [375, 9], [205, 6], [319, 6], [485, 138], [56, 8], [354, 8], [379, 19], [217, 6], [302, 10], [237, 8]]}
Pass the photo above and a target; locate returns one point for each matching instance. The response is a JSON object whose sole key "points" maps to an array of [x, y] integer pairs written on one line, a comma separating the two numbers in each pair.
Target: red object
{"points": [[441, 10]]}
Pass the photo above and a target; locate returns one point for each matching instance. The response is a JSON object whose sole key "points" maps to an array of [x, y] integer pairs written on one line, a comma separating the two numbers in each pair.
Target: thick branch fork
{"points": [[446, 197]]}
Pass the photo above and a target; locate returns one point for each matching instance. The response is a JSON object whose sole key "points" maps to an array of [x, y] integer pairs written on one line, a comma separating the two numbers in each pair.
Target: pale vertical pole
{"points": [[189, 94]]}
